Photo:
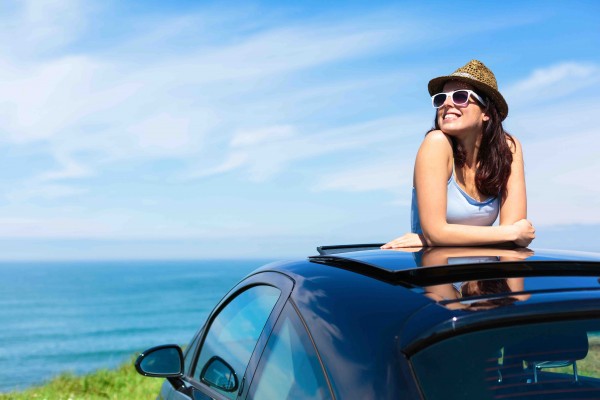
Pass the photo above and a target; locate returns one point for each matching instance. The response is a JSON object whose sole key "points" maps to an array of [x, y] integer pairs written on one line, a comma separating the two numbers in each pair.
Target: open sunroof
{"points": [[408, 268]]}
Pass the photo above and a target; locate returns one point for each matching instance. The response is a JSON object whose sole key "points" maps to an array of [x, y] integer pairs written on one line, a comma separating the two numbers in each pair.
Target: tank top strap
{"points": [[452, 175]]}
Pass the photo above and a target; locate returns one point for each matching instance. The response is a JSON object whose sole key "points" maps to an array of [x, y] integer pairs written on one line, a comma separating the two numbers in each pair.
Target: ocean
{"points": [[82, 316]]}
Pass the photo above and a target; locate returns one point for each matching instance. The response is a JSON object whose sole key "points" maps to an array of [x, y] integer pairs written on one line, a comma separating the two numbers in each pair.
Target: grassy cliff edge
{"points": [[123, 383]]}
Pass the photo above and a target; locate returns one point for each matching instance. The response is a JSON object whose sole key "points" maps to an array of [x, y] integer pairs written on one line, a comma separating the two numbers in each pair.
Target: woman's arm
{"points": [[513, 210], [514, 206]]}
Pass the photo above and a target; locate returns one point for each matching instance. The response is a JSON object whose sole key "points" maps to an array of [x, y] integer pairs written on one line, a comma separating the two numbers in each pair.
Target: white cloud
{"points": [[557, 119], [547, 77], [42, 25], [35, 191], [69, 168], [272, 51], [391, 175], [45, 98], [547, 84], [51, 227], [56, 19], [163, 133], [258, 136], [232, 162], [262, 161]]}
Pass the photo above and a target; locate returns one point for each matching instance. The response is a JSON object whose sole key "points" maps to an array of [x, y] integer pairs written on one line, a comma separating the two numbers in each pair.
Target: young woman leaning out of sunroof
{"points": [[468, 169]]}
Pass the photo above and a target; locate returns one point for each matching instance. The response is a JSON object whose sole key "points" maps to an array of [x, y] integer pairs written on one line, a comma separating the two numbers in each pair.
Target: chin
{"points": [[450, 127]]}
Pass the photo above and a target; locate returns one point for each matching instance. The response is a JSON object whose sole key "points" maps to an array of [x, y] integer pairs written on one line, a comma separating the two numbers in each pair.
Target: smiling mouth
{"points": [[450, 117]]}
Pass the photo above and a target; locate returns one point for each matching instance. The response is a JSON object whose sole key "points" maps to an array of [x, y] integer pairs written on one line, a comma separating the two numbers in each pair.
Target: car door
{"points": [[230, 344], [290, 367]]}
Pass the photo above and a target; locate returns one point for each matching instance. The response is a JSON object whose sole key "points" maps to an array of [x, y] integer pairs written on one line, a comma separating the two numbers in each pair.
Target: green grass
{"points": [[122, 383]]}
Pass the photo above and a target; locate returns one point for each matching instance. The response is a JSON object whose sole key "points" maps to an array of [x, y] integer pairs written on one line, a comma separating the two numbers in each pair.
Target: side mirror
{"points": [[218, 374], [161, 361]]}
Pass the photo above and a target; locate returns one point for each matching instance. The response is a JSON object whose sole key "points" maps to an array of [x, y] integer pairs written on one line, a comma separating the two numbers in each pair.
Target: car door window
{"points": [[234, 332], [289, 368]]}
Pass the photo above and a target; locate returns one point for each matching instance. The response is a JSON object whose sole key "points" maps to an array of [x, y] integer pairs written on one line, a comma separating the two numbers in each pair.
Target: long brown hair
{"points": [[494, 157]]}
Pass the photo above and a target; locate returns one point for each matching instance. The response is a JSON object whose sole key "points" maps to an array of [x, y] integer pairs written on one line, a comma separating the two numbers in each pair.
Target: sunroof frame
{"points": [[410, 276]]}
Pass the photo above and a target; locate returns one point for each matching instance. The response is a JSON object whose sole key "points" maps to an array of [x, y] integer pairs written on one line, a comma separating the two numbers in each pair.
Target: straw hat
{"points": [[476, 74]]}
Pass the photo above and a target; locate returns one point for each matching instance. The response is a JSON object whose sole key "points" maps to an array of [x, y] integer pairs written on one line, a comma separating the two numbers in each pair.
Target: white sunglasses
{"points": [[459, 97]]}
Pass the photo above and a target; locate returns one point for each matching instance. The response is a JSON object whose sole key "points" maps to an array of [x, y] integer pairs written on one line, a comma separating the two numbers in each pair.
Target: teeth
{"points": [[450, 116]]}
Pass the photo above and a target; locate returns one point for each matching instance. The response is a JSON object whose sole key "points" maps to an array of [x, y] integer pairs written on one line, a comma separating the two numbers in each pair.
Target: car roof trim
{"points": [[345, 248]]}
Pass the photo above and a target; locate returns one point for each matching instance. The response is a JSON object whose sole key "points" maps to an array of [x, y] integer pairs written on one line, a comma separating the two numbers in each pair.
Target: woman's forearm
{"points": [[468, 235]]}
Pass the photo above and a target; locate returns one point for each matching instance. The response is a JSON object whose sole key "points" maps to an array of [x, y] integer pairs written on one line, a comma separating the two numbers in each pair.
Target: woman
{"points": [[468, 169]]}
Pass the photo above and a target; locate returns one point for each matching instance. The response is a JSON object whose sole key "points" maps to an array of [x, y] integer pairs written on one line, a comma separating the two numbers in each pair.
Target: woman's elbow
{"points": [[434, 237]]}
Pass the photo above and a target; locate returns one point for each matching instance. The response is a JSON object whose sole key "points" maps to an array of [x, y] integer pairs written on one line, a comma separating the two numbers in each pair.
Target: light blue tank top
{"points": [[461, 208]]}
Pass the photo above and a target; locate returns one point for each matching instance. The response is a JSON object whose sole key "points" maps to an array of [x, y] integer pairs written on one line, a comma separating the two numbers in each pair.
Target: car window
{"points": [[289, 368], [234, 332], [558, 360]]}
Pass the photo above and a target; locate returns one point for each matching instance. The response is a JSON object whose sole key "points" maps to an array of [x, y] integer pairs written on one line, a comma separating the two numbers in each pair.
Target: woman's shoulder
{"points": [[437, 139], [513, 144], [437, 135]]}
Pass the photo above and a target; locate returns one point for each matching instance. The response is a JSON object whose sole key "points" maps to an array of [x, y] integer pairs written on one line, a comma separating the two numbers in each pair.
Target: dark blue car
{"points": [[357, 322]]}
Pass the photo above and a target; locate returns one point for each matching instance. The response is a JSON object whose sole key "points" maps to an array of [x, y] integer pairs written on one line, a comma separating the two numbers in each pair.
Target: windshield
{"points": [[551, 360]]}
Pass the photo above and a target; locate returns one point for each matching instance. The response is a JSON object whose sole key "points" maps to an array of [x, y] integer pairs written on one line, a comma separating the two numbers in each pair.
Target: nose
{"points": [[448, 101]]}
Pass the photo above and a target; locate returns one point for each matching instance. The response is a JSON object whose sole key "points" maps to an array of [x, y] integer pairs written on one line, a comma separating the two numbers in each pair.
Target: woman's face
{"points": [[457, 120]]}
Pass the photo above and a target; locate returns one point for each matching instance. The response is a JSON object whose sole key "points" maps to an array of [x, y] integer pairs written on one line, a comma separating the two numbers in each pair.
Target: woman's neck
{"points": [[470, 144]]}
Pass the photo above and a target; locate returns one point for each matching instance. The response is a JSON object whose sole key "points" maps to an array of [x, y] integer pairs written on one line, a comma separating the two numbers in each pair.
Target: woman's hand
{"points": [[407, 240], [525, 232]]}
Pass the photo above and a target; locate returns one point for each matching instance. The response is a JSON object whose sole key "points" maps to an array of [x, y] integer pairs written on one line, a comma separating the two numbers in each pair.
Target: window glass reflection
{"points": [[234, 332], [289, 368]]}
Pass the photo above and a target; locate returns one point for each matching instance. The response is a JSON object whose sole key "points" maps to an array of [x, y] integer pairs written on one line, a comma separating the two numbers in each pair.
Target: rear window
{"points": [[551, 360]]}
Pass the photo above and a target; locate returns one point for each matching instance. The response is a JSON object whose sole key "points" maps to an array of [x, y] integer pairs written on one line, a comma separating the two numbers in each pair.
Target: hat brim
{"points": [[436, 85]]}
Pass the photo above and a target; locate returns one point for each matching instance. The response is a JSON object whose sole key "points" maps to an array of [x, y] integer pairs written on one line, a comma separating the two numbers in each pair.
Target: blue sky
{"points": [[188, 129]]}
